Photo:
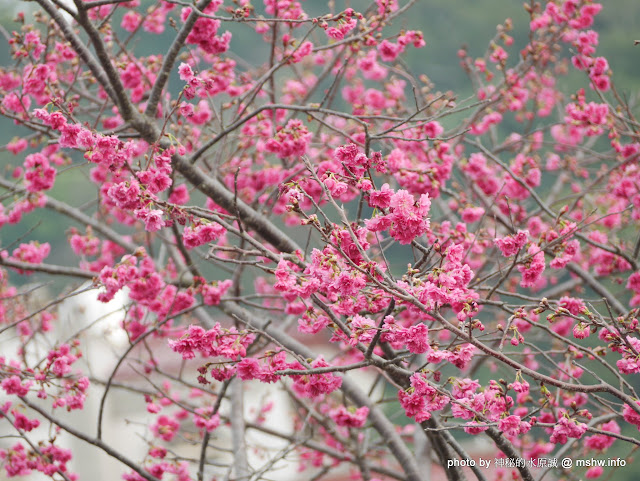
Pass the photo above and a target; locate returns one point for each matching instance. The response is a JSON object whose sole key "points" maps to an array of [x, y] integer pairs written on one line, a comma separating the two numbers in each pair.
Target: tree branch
{"points": [[170, 58], [380, 422], [93, 441]]}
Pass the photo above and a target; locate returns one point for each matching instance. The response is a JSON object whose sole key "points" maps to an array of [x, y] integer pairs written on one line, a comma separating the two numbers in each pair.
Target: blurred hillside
{"points": [[447, 25]]}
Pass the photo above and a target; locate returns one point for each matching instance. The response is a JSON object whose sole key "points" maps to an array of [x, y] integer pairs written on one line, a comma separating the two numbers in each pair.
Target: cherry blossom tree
{"points": [[409, 268]]}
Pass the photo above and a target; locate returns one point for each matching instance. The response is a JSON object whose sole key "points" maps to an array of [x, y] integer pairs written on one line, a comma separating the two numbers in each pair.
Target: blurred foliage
{"points": [[447, 26]]}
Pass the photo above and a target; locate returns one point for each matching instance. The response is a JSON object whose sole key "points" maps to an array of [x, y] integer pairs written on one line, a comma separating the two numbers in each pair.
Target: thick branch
{"points": [[79, 47], [170, 59], [49, 269], [119, 96], [507, 448], [218, 192]]}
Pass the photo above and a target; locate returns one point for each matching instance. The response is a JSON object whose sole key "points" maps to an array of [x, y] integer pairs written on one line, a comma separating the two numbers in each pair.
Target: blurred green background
{"points": [[447, 25]]}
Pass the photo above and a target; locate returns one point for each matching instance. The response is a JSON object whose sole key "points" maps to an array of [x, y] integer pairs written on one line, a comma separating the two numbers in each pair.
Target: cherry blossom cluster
{"points": [[215, 342]]}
